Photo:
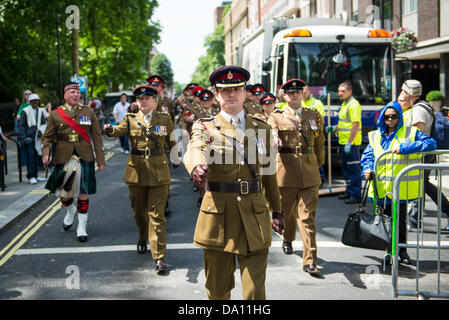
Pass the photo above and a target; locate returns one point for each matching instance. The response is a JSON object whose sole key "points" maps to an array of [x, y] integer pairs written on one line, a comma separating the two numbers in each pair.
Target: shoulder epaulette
{"points": [[258, 116]]}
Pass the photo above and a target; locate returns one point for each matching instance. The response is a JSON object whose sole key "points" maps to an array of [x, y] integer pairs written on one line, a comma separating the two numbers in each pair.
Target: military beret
{"points": [[144, 90], [71, 85], [258, 89], [293, 85], [267, 98], [155, 80], [206, 95], [229, 76], [412, 87]]}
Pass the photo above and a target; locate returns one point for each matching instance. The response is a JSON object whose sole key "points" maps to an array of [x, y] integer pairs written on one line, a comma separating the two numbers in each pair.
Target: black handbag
{"points": [[365, 230]]}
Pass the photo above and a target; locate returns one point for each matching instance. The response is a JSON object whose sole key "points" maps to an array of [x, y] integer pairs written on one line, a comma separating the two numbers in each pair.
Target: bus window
{"points": [[367, 67], [279, 66]]}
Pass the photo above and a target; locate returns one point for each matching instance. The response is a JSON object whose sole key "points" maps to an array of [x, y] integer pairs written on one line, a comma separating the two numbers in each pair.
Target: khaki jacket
{"points": [[58, 131], [233, 222], [251, 107], [299, 170], [152, 170], [165, 105]]}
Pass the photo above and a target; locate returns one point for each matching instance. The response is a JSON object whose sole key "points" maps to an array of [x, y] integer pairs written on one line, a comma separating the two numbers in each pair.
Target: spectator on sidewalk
{"points": [[25, 103], [119, 111], [2, 136], [33, 119], [418, 115]]}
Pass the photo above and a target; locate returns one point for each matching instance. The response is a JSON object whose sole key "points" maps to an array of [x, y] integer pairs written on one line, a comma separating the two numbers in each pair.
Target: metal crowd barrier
{"points": [[416, 164]]}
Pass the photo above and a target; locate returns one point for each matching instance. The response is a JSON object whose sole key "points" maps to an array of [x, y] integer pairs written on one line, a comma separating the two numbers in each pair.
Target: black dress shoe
{"points": [[287, 247], [344, 196], [66, 226], [311, 268], [161, 266], [142, 246], [351, 201], [404, 258], [82, 238]]}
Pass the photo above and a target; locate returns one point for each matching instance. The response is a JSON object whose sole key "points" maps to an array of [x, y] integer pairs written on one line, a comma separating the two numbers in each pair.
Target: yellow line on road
{"points": [[24, 235]]}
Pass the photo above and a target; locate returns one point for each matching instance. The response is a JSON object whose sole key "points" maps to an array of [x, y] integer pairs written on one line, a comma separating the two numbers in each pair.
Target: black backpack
{"points": [[440, 126]]}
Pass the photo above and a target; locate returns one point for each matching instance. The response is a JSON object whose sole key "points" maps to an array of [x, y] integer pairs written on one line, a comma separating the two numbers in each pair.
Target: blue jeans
{"points": [[124, 142], [32, 160], [350, 165]]}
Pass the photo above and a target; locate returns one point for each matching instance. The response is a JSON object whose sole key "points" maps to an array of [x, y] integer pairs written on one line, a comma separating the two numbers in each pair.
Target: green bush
{"points": [[435, 95]]}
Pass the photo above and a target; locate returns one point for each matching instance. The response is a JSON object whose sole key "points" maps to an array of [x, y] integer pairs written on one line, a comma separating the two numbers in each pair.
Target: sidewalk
{"points": [[19, 197]]}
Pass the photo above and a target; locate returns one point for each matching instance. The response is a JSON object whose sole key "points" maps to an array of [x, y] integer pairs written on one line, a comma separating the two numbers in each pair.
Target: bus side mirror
{"points": [[266, 65]]}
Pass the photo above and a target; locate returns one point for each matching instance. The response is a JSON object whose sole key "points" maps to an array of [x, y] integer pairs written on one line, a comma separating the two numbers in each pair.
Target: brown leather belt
{"points": [[242, 187], [297, 150], [147, 152]]}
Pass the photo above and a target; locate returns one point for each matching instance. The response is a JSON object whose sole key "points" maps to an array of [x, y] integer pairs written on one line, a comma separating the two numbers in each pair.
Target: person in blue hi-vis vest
{"points": [[406, 144]]}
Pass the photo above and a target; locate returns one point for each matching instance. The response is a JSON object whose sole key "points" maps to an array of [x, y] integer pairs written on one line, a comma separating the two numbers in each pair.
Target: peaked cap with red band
{"points": [[155, 80], [190, 86], [206, 95], [258, 89], [144, 90], [293, 85], [267, 98], [197, 90], [229, 76]]}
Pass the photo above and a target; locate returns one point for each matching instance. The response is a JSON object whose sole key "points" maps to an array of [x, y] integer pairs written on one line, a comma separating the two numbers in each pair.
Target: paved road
{"points": [[38, 260]]}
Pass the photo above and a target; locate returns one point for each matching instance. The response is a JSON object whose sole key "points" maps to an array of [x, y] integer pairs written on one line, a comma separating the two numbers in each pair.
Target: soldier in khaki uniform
{"points": [[184, 103], [164, 103], [301, 153], [234, 221], [68, 129], [147, 173]]}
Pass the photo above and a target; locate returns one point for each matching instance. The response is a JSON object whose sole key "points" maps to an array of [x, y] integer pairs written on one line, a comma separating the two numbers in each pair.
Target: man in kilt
{"points": [[69, 131]]}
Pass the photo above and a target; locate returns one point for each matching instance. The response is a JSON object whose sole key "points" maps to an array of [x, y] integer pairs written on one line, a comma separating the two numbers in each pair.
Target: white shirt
{"points": [[419, 114], [240, 115], [121, 110]]}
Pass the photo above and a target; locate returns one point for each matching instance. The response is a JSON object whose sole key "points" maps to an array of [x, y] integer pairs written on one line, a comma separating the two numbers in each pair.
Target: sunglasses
{"points": [[391, 117]]}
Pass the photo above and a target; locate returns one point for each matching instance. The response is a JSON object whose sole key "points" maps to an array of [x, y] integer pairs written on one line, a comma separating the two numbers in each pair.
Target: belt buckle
{"points": [[73, 138], [244, 187], [147, 153], [298, 150]]}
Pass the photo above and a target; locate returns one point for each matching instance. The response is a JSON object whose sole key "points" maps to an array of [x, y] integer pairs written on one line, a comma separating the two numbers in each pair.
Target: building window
{"points": [[355, 10], [409, 6], [313, 8], [385, 12]]}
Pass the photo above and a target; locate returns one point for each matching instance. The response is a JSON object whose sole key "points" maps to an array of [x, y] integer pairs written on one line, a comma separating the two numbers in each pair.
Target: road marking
{"points": [[35, 225], [173, 246]]}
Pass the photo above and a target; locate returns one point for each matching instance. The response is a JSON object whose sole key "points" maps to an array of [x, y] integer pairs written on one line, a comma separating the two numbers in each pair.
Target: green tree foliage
{"points": [[214, 59], [114, 40], [160, 65]]}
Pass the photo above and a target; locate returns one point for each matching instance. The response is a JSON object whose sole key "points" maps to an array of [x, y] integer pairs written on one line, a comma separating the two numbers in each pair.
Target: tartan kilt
{"points": [[88, 183]]}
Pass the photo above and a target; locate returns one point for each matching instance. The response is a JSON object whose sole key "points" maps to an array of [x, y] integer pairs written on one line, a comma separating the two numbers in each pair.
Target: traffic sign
{"points": [[82, 82]]}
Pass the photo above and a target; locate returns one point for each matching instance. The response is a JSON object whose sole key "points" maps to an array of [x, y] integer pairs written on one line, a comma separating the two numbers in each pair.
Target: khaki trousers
{"points": [[299, 207], [220, 266], [148, 204]]}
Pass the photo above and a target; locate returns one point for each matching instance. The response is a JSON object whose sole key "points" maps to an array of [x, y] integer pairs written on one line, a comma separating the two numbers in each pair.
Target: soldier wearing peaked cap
{"points": [[301, 153], [268, 103], [71, 128], [147, 173], [164, 103], [206, 100], [234, 221], [250, 105]]}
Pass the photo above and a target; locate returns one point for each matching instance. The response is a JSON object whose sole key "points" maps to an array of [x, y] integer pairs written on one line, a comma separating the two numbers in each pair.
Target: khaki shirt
{"points": [[142, 170], [165, 105], [60, 132], [299, 170], [233, 222]]}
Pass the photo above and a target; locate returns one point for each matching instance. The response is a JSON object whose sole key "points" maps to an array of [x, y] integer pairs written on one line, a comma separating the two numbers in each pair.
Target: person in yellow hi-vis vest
{"points": [[310, 102], [406, 144], [349, 131]]}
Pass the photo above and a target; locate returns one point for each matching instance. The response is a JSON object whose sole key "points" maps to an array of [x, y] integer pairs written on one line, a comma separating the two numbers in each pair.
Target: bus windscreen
{"points": [[367, 66]]}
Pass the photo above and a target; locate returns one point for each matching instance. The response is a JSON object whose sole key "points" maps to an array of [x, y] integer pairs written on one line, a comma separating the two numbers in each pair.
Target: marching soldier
{"points": [[72, 126], [250, 105], [234, 221], [258, 90], [206, 101], [301, 152], [184, 103], [164, 103], [147, 173], [268, 103]]}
